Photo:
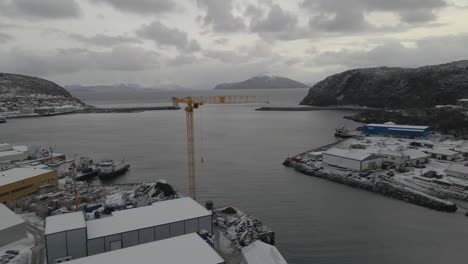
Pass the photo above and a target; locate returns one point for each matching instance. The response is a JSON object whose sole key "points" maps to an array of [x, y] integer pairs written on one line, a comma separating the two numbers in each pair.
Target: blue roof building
{"points": [[397, 130]]}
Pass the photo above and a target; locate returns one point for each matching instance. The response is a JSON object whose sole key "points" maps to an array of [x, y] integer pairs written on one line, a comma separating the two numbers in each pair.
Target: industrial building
{"points": [[443, 154], [189, 248], [395, 157], [18, 182], [396, 130], [458, 171], [415, 157], [69, 236], [357, 160], [12, 153], [12, 227]]}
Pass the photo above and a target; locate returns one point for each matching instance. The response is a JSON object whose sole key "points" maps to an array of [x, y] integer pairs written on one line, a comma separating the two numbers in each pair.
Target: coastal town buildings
{"points": [[9, 153], [442, 154], [458, 171]]}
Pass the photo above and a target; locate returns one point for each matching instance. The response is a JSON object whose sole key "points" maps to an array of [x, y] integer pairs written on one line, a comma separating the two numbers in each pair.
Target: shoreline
{"points": [[314, 108], [384, 187]]}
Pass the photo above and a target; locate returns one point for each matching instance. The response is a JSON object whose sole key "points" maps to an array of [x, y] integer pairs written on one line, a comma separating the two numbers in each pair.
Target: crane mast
{"points": [[193, 103]]}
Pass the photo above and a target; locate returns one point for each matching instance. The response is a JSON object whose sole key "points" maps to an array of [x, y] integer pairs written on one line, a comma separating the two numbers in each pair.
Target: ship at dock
{"points": [[86, 169], [109, 168]]}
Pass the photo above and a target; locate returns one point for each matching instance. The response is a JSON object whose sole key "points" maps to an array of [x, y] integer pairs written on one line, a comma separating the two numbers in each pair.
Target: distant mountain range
{"points": [[121, 88], [392, 87], [262, 82]]}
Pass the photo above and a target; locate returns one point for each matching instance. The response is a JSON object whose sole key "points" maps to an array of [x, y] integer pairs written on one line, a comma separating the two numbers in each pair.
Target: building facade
{"points": [[357, 160], [17, 182], [12, 227], [458, 171], [443, 154], [123, 229], [396, 130]]}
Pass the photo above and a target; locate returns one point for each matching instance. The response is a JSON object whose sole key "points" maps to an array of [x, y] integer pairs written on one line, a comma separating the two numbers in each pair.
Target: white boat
{"points": [[109, 168]]}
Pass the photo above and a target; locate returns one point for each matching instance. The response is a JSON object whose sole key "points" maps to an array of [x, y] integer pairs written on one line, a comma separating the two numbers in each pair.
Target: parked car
{"points": [[12, 252]]}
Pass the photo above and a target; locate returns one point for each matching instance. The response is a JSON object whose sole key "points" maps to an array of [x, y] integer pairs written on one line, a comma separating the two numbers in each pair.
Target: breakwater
{"points": [[378, 185], [314, 108], [126, 109]]}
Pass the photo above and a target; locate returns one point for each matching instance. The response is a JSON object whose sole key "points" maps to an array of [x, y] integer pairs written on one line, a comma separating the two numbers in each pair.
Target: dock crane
{"points": [[193, 103]]}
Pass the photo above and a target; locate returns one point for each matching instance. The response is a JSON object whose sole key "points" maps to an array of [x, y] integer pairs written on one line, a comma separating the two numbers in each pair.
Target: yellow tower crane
{"points": [[193, 103]]}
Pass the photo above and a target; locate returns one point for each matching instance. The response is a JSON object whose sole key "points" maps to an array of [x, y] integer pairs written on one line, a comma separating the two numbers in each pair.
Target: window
{"points": [[117, 244]]}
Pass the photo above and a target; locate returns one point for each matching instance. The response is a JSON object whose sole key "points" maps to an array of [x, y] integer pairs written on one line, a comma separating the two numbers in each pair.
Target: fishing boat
{"points": [[342, 132], [109, 168], [86, 169]]}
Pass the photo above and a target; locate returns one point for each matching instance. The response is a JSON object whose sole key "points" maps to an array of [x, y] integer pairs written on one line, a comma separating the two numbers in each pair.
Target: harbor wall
{"points": [[383, 187]]}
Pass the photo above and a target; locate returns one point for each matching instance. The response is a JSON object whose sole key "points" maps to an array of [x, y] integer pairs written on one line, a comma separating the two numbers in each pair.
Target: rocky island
{"points": [[262, 82]]}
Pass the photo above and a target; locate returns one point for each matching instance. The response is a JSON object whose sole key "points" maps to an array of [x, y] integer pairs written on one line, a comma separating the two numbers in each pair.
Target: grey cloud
{"points": [[219, 16], [104, 40], [260, 51], [165, 36], [348, 16], [45, 9], [141, 6], [393, 53], [4, 38], [182, 60], [277, 24], [124, 58]]}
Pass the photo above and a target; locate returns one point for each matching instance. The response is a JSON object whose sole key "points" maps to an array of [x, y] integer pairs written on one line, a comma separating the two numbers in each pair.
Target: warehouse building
{"points": [[395, 157], [458, 171], [126, 228], [18, 182], [12, 227], [259, 253], [443, 154], [415, 157], [357, 160], [189, 248], [12, 153], [396, 130]]}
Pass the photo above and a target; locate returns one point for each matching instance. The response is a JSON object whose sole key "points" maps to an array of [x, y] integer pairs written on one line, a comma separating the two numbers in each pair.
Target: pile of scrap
{"points": [[242, 229]]}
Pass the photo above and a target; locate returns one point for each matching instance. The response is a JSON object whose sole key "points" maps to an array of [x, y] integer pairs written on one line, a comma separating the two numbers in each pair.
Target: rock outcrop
{"points": [[393, 88], [263, 82], [14, 85]]}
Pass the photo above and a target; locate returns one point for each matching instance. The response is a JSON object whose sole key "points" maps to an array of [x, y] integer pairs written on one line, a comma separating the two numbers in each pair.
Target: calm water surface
{"points": [[316, 221]]}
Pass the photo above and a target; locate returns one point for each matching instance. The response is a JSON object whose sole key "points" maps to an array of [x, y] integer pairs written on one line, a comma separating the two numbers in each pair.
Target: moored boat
{"points": [[86, 169], [109, 168], [342, 132]]}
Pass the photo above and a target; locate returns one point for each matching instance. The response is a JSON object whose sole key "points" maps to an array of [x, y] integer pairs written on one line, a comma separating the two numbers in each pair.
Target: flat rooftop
{"points": [[8, 218], [349, 154], [19, 174], [183, 249], [159, 213], [460, 168], [399, 126], [64, 222], [10, 153]]}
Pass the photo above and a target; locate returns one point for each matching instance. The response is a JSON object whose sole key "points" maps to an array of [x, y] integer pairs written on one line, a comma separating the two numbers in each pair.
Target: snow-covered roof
{"points": [[9, 153], [159, 213], [415, 154], [399, 126], [19, 174], [459, 168], [8, 218], [190, 248], [259, 253], [389, 152], [5, 146], [354, 154], [442, 151], [21, 148], [64, 222]]}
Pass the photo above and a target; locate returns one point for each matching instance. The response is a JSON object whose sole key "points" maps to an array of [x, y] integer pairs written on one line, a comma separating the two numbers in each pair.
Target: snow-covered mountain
{"points": [[265, 81]]}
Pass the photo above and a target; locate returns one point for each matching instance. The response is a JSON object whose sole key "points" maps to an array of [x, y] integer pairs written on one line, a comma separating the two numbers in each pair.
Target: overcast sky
{"points": [[199, 43]]}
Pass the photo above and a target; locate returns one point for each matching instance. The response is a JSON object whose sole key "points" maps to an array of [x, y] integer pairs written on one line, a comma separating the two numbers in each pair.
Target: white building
{"points": [[458, 171], [78, 238], [443, 154], [185, 249], [415, 156], [12, 227], [395, 157], [357, 160], [12, 153], [313, 155], [260, 253]]}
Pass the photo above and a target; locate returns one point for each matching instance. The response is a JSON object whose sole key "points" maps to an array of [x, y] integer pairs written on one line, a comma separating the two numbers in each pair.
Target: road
{"points": [[37, 252]]}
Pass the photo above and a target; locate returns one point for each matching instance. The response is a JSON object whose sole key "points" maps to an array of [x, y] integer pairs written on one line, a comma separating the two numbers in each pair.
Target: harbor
{"points": [[407, 163]]}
